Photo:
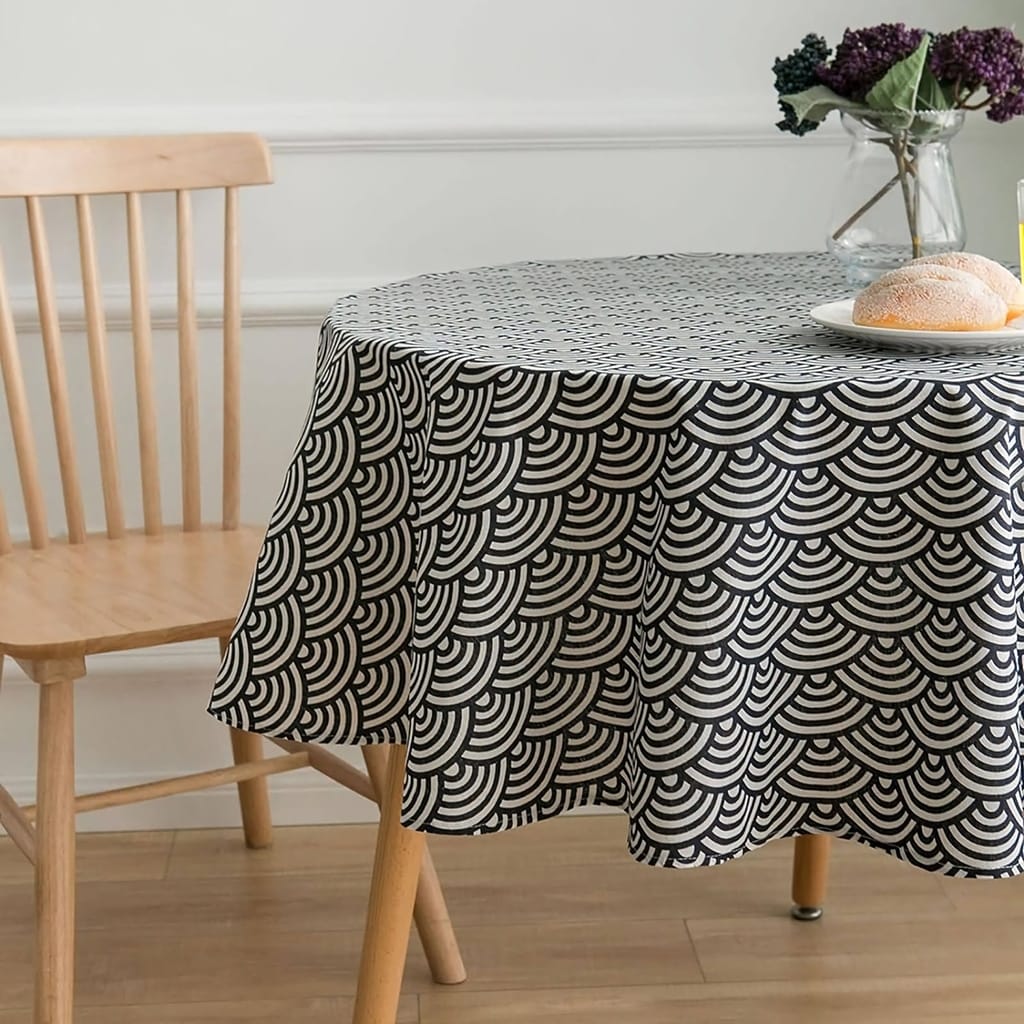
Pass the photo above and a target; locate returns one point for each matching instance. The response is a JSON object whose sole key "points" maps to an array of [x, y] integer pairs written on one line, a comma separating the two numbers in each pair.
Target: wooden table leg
{"points": [[437, 935], [430, 911], [253, 794], [810, 876], [392, 894]]}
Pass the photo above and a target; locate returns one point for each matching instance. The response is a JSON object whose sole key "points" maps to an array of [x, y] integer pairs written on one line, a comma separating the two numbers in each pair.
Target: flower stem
{"points": [[912, 167], [860, 211], [903, 172], [920, 188]]}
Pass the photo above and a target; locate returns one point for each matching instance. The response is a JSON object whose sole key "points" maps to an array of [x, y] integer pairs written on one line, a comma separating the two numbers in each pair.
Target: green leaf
{"points": [[816, 103], [930, 95], [897, 89]]}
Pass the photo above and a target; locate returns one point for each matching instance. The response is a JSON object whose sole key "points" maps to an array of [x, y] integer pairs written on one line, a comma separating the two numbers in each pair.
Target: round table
{"points": [[635, 532]]}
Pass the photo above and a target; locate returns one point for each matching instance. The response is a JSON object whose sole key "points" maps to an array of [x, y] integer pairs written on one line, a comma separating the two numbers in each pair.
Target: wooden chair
{"points": [[64, 601]]}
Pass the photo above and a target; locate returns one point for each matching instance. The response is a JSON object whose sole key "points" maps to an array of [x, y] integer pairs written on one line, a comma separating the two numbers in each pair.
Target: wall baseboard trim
{"points": [[298, 798], [449, 125], [196, 658]]}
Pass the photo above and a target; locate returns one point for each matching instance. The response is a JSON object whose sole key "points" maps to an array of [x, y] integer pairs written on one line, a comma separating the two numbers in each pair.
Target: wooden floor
{"points": [[557, 925]]}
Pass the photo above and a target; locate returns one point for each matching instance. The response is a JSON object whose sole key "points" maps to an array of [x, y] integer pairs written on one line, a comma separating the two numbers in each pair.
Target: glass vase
{"points": [[898, 198]]}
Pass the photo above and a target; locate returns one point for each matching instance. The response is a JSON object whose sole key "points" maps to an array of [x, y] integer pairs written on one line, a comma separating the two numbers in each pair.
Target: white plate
{"points": [[839, 316]]}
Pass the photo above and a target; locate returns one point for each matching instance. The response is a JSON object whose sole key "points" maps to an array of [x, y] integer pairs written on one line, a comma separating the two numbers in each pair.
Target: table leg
{"points": [[430, 911], [392, 894], [810, 876]]}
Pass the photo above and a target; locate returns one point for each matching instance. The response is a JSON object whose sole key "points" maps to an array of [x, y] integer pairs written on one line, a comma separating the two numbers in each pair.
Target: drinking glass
{"points": [[1020, 223]]}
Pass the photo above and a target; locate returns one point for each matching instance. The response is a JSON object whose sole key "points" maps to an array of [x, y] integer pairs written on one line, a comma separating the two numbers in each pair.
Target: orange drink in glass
{"points": [[1020, 223]]}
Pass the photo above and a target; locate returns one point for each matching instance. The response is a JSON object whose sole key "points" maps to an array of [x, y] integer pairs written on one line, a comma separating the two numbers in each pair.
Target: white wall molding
{"points": [[445, 126], [278, 302]]}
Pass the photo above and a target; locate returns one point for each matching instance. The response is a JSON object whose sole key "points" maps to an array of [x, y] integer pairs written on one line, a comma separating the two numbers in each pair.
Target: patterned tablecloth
{"points": [[634, 532]]}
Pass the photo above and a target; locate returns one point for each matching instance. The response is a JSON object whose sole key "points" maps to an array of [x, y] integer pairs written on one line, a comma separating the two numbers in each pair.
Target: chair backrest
{"points": [[35, 168]]}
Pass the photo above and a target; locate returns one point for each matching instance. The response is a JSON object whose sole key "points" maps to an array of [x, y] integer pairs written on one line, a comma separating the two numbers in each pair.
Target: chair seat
{"points": [[68, 601]]}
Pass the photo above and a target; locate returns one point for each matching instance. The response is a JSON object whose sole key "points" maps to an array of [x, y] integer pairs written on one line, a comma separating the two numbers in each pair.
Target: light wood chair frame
{"points": [[45, 832]]}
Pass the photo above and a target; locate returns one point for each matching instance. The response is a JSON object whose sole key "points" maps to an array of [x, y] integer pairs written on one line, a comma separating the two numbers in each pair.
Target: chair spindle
{"points": [[96, 330], [231, 501], [5, 533], [56, 372], [142, 337], [21, 426], [188, 369]]}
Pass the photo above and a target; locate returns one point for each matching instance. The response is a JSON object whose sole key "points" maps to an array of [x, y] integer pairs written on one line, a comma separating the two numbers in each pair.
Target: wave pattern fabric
{"points": [[634, 532]]}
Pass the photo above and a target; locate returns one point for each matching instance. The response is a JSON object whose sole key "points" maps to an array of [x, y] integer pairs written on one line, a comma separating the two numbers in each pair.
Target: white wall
{"points": [[414, 136]]}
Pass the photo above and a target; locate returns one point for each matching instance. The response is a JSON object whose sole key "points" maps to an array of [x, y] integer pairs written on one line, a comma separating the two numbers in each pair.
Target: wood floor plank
{"points": [[597, 839], [123, 966], [594, 839], [576, 839], [148, 966], [744, 949], [556, 924], [328, 1010], [318, 1011], [754, 885], [303, 849], [965, 999], [126, 856], [579, 839], [329, 849], [1003, 896], [603, 893], [287, 903], [509, 956]]}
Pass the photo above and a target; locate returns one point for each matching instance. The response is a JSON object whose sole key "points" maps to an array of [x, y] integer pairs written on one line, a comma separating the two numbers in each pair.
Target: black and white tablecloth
{"points": [[634, 532]]}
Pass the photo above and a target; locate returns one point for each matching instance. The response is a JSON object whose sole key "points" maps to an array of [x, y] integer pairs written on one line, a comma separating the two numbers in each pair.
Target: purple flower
{"points": [[1009, 105], [865, 55], [795, 73], [968, 61]]}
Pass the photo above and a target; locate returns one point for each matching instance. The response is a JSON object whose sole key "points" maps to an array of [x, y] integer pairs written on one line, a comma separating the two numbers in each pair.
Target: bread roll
{"points": [[995, 275], [929, 297]]}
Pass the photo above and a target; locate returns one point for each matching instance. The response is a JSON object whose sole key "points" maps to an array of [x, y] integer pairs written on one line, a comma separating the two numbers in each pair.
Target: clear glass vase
{"points": [[898, 197]]}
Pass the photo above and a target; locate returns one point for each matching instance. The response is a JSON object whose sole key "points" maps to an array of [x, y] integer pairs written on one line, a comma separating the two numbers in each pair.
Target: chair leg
{"points": [[55, 855], [254, 794], [392, 894], [430, 911], [810, 876]]}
